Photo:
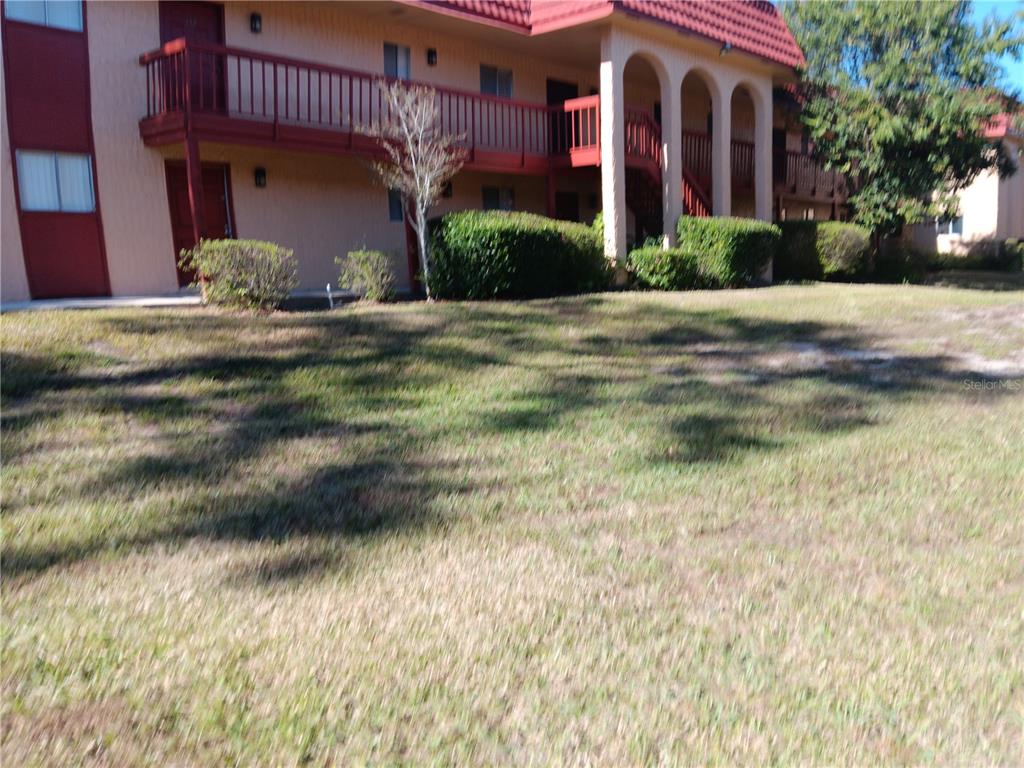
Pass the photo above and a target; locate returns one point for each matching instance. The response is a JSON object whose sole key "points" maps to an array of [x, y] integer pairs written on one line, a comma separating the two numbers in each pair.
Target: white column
{"points": [[671, 154], [721, 154], [763, 153], [613, 149]]}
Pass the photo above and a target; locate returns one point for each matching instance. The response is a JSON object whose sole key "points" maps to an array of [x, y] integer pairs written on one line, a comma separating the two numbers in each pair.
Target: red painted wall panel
{"points": [[46, 77], [47, 87], [62, 251]]}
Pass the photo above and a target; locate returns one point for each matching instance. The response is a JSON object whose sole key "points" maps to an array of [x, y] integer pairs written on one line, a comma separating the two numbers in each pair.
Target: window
{"points": [[948, 226], [60, 14], [499, 199], [495, 82], [396, 210], [396, 61], [52, 181], [808, 214]]}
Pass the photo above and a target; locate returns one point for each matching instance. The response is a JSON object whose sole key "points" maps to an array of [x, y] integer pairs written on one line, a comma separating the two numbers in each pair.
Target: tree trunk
{"points": [[421, 241]]}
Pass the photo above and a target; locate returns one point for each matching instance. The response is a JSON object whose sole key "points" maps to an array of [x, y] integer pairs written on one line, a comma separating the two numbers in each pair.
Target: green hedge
{"points": [[501, 254], [732, 252], [1000, 256], [673, 269], [822, 250]]}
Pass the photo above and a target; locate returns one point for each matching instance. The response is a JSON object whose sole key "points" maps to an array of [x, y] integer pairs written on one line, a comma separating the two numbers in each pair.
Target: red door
{"points": [[216, 210], [198, 23]]}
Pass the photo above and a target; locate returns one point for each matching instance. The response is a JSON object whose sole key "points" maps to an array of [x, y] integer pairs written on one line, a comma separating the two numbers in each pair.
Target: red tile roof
{"points": [[753, 26]]}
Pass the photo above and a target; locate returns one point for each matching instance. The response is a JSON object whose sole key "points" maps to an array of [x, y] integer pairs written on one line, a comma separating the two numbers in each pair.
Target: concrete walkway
{"points": [[104, 302]]}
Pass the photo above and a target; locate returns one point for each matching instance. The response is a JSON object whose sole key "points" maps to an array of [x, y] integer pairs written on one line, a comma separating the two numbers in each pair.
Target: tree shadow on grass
{"points": [[715, 387]]}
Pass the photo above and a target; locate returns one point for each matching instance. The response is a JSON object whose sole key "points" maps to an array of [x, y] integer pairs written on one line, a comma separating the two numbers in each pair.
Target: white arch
{"points": [[762, 102]]}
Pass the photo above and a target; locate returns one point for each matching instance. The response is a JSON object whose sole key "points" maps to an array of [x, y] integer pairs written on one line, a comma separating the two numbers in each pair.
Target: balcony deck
{"points": [[237, 96]]}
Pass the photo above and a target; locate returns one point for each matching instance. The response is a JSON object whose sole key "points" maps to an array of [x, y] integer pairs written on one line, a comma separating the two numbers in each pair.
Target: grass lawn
{"points": [[781, 525]]}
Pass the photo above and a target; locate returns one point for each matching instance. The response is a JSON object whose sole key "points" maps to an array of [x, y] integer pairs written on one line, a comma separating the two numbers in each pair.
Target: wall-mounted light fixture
{"points": [[255, 23], [260, 176], [726, 47], [431, 57]]}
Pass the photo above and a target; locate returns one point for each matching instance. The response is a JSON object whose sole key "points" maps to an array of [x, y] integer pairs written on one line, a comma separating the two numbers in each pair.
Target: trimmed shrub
{"points": [[822, 250], [900, 262], [843, 250], [245, 274], [1012, 255], [797, 256], [733, 252], [999, 256], [501, 254], [368, 273], [674, 269]]}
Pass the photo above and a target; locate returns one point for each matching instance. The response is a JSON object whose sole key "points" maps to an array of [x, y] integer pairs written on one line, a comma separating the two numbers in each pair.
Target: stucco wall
{"points": [[130, 176], [13, 280]]}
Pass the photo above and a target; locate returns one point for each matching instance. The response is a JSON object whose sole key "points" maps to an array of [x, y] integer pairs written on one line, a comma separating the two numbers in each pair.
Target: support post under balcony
{"points": [[613, 149], [194, 174], [721, 154], [671, 156]]}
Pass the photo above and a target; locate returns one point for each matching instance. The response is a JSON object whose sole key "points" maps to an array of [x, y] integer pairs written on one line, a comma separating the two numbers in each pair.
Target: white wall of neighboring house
{"points": [[992, 210]]}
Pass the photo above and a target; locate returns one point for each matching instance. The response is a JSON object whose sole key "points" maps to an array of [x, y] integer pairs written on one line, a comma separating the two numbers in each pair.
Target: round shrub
{"points": [[822, 250], [673, 269], [733, 252], [501, 254], [797, 256], [843, 250], [244, 274]]}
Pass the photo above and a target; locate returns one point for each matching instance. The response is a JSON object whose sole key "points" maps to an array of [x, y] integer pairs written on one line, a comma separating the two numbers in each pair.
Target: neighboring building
{"points": [[991, 209], [135, 128]]}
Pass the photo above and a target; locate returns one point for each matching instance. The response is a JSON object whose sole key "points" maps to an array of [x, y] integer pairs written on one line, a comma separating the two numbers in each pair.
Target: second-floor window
{"points": [[55, 181], [495, 82], [396, 61], [60, 14], [954, 226]]}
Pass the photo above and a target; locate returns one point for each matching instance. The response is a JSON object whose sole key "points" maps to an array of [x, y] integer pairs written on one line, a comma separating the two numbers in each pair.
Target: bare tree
{"points": [[420, 156]]}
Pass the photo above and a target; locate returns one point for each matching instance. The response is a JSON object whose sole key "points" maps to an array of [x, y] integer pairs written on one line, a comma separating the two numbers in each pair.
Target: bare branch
{"points": [[421, 155]]}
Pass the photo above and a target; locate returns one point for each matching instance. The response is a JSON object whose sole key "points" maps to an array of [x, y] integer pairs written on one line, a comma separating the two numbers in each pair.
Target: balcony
{"points": [[233, 95]]}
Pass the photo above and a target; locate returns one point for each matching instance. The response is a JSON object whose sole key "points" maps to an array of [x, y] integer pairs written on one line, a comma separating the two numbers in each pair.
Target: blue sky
{"points": [[1003, 9]]}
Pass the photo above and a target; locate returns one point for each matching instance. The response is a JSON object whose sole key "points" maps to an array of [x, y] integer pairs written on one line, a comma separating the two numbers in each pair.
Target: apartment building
{"points": [[135, 128]]}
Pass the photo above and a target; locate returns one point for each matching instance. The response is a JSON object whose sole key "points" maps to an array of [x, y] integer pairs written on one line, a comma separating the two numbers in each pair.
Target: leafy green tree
{"points": [[896, 96]]}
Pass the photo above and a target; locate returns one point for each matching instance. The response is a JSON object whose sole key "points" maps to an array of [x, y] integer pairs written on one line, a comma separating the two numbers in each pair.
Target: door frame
{"points": [[229, 200]]}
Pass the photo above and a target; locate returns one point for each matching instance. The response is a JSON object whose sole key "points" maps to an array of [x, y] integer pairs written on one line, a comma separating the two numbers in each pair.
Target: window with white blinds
{"points": [[55, 181]]}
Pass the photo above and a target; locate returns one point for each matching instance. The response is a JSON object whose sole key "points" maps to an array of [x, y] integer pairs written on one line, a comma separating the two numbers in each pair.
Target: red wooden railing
{"points": [[697, 158], [576, 125], [643, 135], [695, 200], [192, 77]]}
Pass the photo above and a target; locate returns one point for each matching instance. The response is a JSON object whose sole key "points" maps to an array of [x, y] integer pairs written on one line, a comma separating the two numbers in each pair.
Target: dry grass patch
{"points": [[756, 526]]}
